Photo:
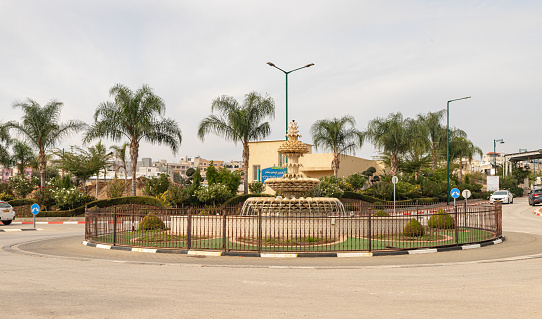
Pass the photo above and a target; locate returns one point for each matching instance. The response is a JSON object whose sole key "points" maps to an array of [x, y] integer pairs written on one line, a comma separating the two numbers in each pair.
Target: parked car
{"points": [[7, 213], [502, 196], [535, 196]]}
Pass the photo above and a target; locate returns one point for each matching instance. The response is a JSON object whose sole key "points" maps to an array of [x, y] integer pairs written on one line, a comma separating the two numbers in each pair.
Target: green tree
{"points": [[40, 127], [337, 135], [5, 140], [394, 136], [103, 158], [156, 186], [460, 148], [239, 123], [22, 155], [211, 174], [80, 163], [135, 116], [120, 161]]}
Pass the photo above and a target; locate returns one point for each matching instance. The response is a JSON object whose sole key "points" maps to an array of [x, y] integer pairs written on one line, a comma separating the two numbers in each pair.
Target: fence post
{"points": [[370, 231], [114, 226], [456, 226], [259, 231], [189, 230], [224, 230]]}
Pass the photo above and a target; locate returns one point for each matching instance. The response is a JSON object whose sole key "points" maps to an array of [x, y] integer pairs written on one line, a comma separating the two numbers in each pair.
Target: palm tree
{"points": [[99, 151], [120, 155], [22, 155], [239, 123], [135, 116], [436, 133], [5, 140], [40, 128], [337, 135], [460, 148], [395, 136]]}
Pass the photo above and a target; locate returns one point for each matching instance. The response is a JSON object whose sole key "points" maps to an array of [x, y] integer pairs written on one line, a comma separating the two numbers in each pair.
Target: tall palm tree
{"points": [[22, 156], [40, 128], [395, 136], [135, 116], [460, 148], [436, 133], [239, 123], [5, 140], [337, 135], [99, 151], [120, 155]]}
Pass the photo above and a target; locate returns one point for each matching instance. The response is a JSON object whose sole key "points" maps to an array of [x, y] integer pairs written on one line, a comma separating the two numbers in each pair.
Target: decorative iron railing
{"points": [[364, 227]]}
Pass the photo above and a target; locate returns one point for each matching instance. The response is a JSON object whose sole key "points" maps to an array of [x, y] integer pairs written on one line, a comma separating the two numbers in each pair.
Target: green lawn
{"points": [[162, 240]]}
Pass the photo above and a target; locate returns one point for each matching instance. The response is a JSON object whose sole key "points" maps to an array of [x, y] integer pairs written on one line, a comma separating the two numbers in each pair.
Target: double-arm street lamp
{"points": [[448, 147], [286, 73], [500, 141]]}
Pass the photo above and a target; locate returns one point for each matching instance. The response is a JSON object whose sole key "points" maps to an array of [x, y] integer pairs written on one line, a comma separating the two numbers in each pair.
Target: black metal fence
{"points": [[364, 227]]}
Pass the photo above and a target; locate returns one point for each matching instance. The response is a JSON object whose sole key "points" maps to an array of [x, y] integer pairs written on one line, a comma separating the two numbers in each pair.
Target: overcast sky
{"points": [[371, 58]]}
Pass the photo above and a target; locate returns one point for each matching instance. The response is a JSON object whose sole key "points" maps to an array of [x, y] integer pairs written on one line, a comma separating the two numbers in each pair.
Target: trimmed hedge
{"points": [[137, 200], [241, 198], [373, 200], [21, 202], [413, 229], [441, 220]]}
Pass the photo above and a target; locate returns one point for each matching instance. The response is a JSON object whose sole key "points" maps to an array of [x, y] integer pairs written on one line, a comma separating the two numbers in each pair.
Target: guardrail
{"points": [[363, 228]]}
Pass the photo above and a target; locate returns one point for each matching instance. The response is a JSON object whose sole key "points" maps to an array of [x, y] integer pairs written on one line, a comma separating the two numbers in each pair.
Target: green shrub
{"points": [[175, 196], [21, 186], [44, 197], [151, 222], [5, 195], [155, 186], [381, 213], [413, 229], [441, 220], [115, 188], [21, 202], [256, 187]]}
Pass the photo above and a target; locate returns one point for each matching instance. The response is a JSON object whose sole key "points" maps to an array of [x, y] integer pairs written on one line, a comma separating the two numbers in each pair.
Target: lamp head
{"points": [[309, 65], [271, 64]]}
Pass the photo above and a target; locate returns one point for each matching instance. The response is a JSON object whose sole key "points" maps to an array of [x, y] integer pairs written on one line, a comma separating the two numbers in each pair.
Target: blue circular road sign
{"points": [[35, 209], [455, 193]]}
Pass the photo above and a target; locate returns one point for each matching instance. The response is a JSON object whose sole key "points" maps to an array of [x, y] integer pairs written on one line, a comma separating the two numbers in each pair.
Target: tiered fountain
{"points": [[292, 186]]}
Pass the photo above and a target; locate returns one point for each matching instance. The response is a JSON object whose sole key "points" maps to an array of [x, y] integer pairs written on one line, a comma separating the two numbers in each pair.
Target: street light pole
{"points": [[286, 73], [448, 148], [501, 141]]}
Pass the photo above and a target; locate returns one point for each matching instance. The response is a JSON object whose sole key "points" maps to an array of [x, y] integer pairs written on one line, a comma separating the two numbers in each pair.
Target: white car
{"points": [[7, 213], [502, 196]]}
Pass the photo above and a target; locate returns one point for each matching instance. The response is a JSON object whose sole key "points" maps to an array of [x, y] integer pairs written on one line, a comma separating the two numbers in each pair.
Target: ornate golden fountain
{"points": [[292, 186]]}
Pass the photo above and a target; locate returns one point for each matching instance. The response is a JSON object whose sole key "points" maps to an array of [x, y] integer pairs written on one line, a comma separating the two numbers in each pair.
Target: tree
{"points": [[40, 128], [460, 148], [337, 135], [239, 123], [22, 155], [135, 116], [80, 163], [5, 140], [435, 134], [103, 158], [120, 155], [395, 136]]}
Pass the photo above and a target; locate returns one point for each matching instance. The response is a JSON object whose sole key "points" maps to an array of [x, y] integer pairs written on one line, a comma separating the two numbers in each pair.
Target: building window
{"points": [[255, 171]]}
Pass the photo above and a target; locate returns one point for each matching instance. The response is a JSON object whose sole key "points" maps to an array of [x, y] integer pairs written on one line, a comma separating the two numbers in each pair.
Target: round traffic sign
{"points": [[466, 193], [35, 209], [455, 193], [394, 179]]}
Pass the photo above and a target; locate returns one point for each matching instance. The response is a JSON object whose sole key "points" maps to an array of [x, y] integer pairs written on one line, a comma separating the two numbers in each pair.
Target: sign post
{"points": [[455, 193], [394, 180], [35, 209]]}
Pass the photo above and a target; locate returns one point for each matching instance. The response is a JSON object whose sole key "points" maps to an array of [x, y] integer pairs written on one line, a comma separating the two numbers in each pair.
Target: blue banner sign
{"points": [[272, 172]]}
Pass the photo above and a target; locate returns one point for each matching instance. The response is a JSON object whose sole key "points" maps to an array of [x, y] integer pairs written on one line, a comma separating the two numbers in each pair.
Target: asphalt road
{"points": [[49, 274]]}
